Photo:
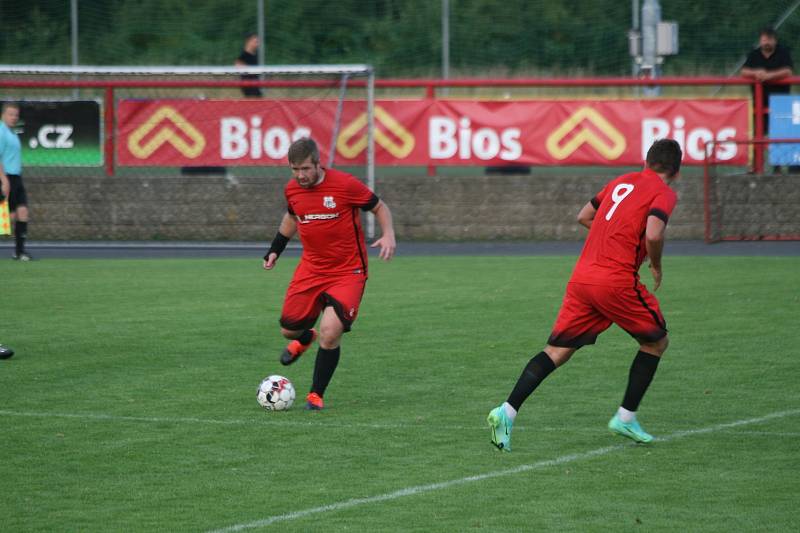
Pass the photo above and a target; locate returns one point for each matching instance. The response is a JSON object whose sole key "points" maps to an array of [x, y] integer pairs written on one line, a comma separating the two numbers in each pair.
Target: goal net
{"points": [[758, 202], [179, 153]]}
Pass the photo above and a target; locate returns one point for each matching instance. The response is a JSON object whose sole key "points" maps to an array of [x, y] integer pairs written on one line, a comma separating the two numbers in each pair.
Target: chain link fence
{"points": [[401, 38]]}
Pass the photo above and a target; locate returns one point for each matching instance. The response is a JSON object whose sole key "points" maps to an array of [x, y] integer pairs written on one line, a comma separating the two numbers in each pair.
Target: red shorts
{"points": [[309, 293], [589, 310]]}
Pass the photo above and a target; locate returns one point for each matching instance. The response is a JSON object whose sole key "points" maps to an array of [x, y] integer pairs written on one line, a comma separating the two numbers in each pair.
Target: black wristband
{"points": [[278, 245]]}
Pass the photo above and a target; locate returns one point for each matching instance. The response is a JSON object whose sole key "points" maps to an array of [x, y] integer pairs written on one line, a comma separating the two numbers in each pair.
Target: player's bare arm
{"points": [[654, 242], [387, 241], [759, 74], [777, 74], [586, 215], [748, 72], [762, 74], [286, 231]]}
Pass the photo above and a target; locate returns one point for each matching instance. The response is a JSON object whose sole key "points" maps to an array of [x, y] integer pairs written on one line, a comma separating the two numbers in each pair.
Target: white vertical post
{"points": [[445, 39], [635, 28], [371, 145], [651, 16], [260, 30], [337, 119], [73, 17]]}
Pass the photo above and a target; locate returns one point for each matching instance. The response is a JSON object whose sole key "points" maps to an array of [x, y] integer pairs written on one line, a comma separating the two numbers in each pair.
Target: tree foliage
{"points": [[399, 37]]}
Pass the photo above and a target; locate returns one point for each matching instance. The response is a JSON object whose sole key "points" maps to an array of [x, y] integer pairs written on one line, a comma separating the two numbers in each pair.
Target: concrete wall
{"points": [[743, 206], [513, 207], [163, 208], [520, 207]]}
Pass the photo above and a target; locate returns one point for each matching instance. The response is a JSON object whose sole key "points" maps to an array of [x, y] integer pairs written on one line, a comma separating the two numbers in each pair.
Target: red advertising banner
{"points": [[427, 132]]}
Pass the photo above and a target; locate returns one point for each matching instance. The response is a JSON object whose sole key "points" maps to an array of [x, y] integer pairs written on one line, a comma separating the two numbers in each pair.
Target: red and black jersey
{"points": [[615, 247], [329, 222]]}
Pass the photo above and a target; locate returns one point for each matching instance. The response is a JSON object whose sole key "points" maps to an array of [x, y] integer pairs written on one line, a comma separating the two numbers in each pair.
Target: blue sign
{"points": [[784, 123]]}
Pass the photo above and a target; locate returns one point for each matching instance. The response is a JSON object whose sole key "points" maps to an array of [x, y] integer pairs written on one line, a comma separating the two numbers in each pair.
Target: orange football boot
{"points": [[314, 402], [294, 349]]}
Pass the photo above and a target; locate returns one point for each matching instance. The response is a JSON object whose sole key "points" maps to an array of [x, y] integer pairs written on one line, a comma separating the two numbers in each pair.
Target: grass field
{"points": [[130, 405]]}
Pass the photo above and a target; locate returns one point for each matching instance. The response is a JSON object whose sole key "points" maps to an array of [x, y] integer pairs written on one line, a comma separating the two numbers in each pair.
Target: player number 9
{"points": [[619, 193]]}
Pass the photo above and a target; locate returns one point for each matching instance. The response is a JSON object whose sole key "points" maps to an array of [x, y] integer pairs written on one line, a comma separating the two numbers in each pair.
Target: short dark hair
{"points": [[301, 149], [7, 105], [665, 157], [249, 35], [769, 31]]}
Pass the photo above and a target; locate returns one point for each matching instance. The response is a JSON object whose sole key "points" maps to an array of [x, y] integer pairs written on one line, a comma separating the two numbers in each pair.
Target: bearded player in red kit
{"points": [[323, 206], [626, 222]]}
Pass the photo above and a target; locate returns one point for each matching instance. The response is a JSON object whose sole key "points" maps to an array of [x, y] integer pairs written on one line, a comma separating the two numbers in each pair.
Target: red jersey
{"points": [[615, 247], [329, 222]]}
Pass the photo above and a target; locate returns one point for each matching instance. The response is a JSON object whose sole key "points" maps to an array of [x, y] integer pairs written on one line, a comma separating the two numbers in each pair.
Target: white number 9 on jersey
{"points": [[619, 193]]}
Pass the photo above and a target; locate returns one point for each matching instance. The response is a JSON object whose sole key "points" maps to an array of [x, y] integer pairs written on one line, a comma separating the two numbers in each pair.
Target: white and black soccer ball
{"points": [[275, 393]]}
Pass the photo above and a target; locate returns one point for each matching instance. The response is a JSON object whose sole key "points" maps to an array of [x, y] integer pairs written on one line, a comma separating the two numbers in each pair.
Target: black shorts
{"points": [[17, 194]]}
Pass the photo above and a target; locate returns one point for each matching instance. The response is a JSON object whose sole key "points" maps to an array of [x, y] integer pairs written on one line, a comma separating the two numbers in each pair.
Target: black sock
{"points": [[20, 233], [641, 374], [324, 368], [306, 337], [539, 367]]}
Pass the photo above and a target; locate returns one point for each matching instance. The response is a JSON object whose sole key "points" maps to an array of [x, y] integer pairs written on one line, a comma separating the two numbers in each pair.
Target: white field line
{"points": [[788, 434], [322, 423], [267, 419], [420, 489]]}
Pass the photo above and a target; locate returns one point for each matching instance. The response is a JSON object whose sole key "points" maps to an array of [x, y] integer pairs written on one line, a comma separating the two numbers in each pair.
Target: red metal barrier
{"points": [[108, 119]]}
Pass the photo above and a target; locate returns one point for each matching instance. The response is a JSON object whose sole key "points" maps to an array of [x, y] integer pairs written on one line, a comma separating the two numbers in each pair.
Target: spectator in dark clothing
{"points": [[248, 58], [769, 62]]}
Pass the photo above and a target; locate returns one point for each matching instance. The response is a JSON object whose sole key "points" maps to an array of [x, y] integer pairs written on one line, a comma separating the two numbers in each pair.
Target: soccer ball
{"points": [[275, 393]]}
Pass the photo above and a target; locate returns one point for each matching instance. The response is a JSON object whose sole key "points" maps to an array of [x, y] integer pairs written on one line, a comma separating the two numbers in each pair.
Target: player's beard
{"points": [[314, 179]]}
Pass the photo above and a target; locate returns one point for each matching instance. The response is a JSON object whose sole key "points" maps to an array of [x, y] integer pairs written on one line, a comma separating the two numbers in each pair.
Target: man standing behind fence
{"points": [[769, 62], [11, 169], [248, 58]]}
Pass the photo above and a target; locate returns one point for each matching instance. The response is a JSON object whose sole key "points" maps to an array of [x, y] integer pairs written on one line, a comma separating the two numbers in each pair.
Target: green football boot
{"points": [[501, 428], [632, 430]]}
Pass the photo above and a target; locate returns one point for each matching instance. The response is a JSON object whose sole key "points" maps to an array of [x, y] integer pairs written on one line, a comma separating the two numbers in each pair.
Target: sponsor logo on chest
{"points": [[328, 202], [318, 216]]}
